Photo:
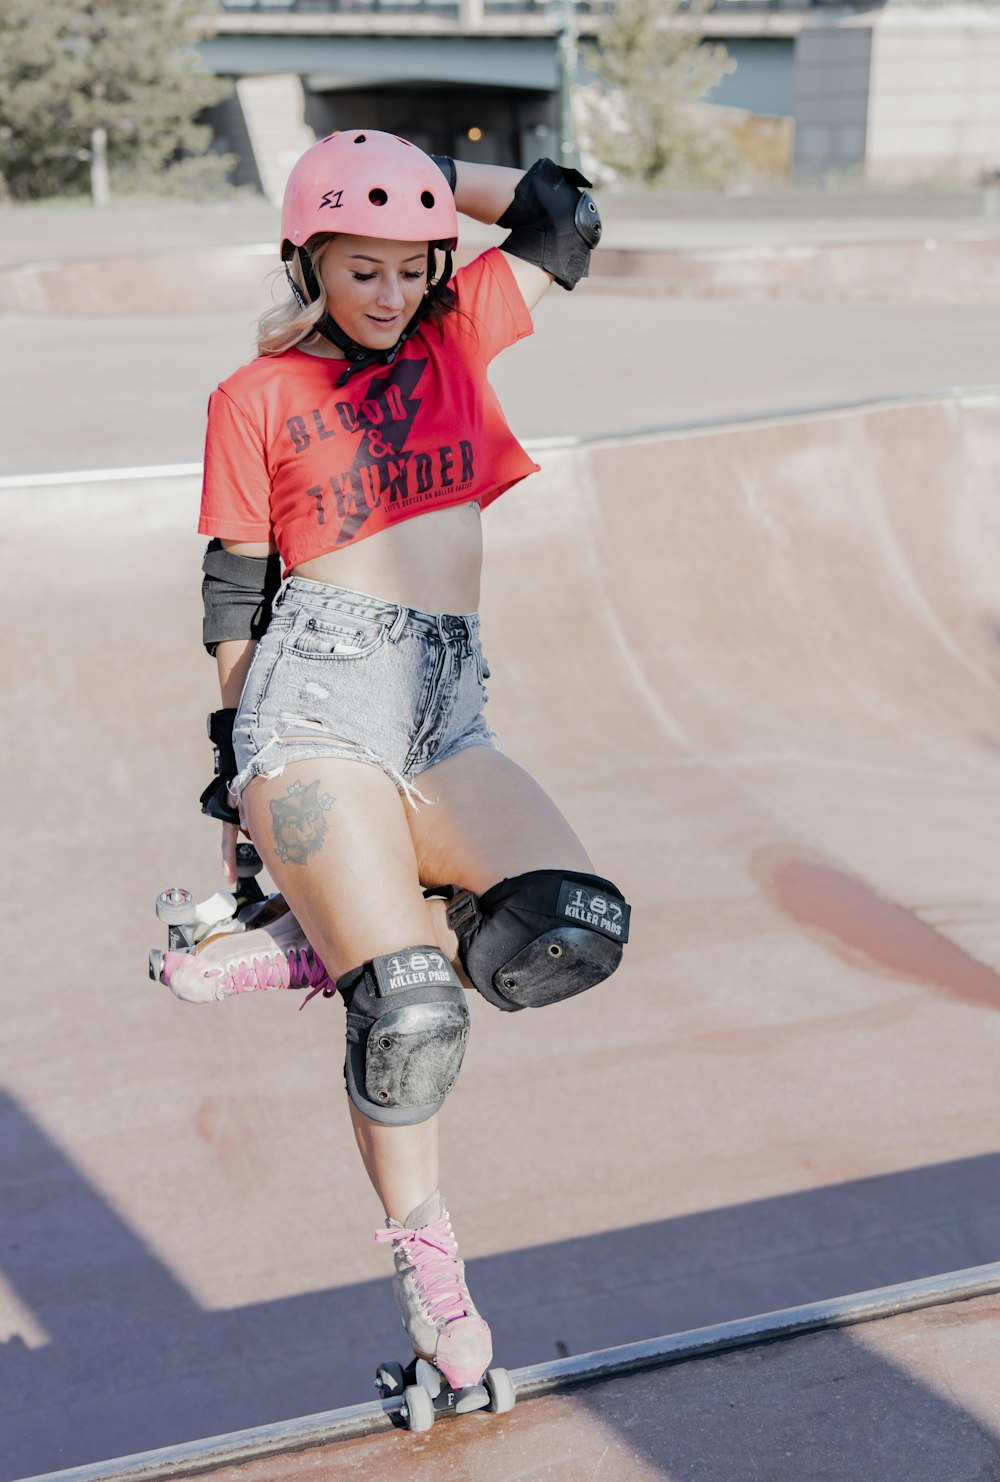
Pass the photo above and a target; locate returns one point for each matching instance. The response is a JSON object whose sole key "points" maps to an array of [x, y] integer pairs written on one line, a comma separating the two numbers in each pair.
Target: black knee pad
{"points": [[407, 1026], [541, 937]]}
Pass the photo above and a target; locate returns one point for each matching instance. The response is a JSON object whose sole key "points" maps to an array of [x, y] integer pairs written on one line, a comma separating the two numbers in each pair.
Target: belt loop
{"points": [[399, 623]]}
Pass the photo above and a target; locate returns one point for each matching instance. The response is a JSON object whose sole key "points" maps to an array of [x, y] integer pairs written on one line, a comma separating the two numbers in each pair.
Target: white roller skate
{"points": [[262, 959], [451, 1342], [240, 942]]}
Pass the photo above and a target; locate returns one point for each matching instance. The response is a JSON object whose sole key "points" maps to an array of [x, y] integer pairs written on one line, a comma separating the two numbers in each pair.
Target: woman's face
{"points": [[373, 287]]}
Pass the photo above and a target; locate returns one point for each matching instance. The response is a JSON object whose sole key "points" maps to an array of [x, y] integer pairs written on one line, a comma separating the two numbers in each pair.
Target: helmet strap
{"points": [[359, 357], [297, 293], [440, 283]]}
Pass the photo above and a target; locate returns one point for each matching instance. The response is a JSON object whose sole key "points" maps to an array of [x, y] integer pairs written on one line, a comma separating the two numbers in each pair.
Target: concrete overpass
{"points": [[890, 91], [389, 56], [478, 78]]}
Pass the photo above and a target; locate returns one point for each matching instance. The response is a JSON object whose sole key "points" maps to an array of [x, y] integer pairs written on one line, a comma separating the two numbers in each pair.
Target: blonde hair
{"points": [[288, 324]]}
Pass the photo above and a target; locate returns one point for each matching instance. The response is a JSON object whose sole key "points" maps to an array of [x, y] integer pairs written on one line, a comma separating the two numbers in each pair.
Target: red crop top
{"points": [[292, 456]]}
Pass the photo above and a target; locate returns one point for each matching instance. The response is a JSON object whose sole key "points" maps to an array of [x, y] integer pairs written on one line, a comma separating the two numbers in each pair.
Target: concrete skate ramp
{"points": [[222, 279], [933, 270], [820, 585], [758, 668]]}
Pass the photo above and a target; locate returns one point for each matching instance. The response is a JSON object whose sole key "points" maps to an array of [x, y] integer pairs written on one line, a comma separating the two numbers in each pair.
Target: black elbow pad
{"points": [[553, 222], [238, 592]]}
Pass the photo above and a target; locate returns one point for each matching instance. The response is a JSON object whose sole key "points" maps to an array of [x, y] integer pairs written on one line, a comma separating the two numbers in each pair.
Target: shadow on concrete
{"points": [[823, 1408], [107, 1380]]}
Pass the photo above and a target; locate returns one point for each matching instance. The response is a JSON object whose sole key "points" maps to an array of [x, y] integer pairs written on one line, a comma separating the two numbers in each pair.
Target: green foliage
{"points": [[641, 121], [70, 66]]}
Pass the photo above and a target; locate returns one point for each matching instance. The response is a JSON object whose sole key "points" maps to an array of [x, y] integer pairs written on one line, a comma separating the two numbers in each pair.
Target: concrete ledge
{"points": [[932, 269]]}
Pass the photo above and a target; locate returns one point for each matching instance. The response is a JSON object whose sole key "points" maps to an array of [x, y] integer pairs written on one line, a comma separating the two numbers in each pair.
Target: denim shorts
{"points": [[342, 674]]}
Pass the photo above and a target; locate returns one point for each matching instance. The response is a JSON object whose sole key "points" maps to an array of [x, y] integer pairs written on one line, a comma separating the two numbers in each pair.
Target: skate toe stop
{"points": [[473, 1397]]}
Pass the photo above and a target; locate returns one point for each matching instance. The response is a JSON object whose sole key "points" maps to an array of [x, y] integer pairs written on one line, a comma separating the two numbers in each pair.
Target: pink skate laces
{"points": [[296, 968], [438, 1272], [273, 954], [318, 981], [293, 969]]}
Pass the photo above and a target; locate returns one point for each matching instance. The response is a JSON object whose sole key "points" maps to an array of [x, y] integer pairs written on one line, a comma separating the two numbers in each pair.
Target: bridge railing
{"points": [[552, 8], [515, 7]]}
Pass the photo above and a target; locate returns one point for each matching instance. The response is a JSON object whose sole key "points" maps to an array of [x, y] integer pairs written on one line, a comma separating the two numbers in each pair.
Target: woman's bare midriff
{"points": [[431, 562]]}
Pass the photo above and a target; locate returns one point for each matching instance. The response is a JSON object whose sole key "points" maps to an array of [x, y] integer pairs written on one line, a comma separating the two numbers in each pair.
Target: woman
{"points": [[417, 858]]}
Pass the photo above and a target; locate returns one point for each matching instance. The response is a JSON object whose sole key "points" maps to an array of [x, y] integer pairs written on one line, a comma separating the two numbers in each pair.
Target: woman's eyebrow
{"points": [[364, 258]]}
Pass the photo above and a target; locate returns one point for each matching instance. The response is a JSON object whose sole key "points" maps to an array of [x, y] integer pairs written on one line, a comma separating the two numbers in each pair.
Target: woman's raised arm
{"points": [[484, 192]]}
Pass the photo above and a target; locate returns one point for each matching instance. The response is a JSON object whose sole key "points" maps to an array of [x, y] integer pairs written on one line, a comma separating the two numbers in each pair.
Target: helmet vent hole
{"points": [[377, 196], [426, 199], [360, 138]]}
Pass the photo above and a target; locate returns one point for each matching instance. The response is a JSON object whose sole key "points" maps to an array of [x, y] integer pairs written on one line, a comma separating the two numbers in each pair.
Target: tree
{"points": [[640, 120], [70, 69]]}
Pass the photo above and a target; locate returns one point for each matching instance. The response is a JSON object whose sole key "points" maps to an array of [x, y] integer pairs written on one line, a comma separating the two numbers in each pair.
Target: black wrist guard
{"points": [[215, 799], [553, 222], [238, 592], [446, 165]]}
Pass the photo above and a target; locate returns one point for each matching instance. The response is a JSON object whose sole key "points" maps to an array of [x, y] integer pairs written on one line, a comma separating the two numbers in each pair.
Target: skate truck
{"points": [[235, 942], [190, 923], [426, 1393]]}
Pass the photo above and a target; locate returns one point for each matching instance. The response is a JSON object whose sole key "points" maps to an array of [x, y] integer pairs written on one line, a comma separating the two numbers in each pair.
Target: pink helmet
{"points": [[371, 185]]}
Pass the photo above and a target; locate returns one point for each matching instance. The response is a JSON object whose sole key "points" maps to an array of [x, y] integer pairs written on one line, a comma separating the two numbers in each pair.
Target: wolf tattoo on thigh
{"points": [[298, 821]]}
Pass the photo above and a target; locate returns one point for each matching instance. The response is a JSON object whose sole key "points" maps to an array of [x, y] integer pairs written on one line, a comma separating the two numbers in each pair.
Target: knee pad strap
{"points": [[407, 1027], [538, 938]]}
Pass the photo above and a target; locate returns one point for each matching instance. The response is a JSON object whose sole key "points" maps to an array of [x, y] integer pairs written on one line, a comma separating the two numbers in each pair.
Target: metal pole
{"points": [[631, 1358], [100, 183], [568, 35]]}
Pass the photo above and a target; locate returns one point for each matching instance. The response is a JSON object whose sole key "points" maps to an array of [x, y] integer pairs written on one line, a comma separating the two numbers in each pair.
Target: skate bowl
{"points": [[932, 270], [214, 281], [758, 667]]}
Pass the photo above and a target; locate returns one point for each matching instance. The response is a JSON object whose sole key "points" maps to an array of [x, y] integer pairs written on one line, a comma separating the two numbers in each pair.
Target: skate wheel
{"points": [[176, 907], [418, 1409], [389, 1380], [472, 1397], [500, 1388]]}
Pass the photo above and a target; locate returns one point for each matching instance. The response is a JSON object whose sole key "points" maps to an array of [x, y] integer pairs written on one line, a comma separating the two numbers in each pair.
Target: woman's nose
{"points": [[390, 293]]}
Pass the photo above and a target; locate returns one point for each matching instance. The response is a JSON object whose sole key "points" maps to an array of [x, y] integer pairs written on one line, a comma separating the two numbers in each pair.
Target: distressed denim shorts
{"points": [[342, 674]]}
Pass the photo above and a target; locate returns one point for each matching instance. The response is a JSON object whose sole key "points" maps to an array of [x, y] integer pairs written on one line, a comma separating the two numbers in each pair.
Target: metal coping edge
{"points": [[288, 1436], [213, 249], [63, 480], [809, 411], [14, 482]]}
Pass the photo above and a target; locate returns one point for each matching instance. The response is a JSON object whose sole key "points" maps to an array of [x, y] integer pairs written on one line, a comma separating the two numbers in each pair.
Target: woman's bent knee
{"points": [[407, 1028], [540, 937]]}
